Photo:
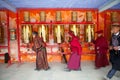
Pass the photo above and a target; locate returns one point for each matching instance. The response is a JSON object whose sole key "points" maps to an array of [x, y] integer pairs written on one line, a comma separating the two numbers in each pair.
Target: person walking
{"points": [[76, 51], [41, 54], [114, 51], [101, 47]]}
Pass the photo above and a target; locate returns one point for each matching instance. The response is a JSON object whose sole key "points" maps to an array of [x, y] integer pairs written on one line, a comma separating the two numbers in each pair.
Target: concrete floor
{"points": [[26, 72]]}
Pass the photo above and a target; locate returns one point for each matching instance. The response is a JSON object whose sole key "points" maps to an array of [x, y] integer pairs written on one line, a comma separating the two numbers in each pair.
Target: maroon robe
{"points": [[41, 54], [75, 57], [101, 47]]}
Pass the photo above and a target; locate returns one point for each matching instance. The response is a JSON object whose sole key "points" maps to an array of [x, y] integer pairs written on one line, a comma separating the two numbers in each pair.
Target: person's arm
{"points": [[37, 44], [93, 41], [110, 47], [78, 46], [34, 47], [118, 47], [105, 45]]}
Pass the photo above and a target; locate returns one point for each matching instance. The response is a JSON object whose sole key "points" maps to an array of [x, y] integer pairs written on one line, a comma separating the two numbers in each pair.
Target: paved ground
{"points": [[26, 72]]}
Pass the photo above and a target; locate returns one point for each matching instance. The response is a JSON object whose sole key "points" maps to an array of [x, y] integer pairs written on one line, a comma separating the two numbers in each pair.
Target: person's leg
{"points": [[36, 62], [111, 73], [65, 58]]}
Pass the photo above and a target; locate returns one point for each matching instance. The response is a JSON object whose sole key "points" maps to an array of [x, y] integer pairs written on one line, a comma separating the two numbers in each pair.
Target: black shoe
{"points": [[37, 69], [106, 78], [67, 70], [80, 69], [47, 69], [97, 67]]}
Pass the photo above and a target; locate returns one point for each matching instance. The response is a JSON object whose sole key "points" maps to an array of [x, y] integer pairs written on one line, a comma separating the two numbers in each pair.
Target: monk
{"points": [[41, 54], [101, 47], [76, 50]]}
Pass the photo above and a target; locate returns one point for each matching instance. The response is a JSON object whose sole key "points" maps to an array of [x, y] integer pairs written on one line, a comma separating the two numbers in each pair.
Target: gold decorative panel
{"points": [[26, 16], [42, 16], [43, 30], [89, 16], [74, 16], [58, 32], [114, 16], [58, 16], [12, 34], [76, 29], [89, 33], [26, 33]]}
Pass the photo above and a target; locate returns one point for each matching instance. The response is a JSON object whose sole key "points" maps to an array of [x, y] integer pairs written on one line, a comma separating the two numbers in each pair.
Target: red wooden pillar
{"points": [[50, 27], [97, 20], [18, 37], [8, 36], [105, 27]]}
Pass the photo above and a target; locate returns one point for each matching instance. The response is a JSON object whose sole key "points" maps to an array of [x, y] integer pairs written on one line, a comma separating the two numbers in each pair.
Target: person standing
{"points": [[41, 54], [101, 47], [114, 51], [76, 50], [64, 51], [63, 55]]}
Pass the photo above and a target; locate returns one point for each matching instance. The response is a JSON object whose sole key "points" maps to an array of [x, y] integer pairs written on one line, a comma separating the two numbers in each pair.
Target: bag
{"points": [[6, 57]]}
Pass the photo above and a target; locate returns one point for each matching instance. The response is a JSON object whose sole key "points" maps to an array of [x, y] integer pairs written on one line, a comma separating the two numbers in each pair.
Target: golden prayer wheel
{"points": [[89, 16], [58, 33], [26, 33], [12, 34], [75, 28], [89, 33], [43, 31]]}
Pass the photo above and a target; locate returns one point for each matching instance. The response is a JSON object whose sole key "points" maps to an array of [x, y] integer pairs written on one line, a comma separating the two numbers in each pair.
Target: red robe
{"points": [[75, 46], [75, 57], [101, 47], [41, 54]]}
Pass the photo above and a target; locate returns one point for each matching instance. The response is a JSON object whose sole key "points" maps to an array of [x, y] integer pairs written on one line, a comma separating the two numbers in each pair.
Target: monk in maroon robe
{"points": [[76, 50], [41, 54], [101, 47]]}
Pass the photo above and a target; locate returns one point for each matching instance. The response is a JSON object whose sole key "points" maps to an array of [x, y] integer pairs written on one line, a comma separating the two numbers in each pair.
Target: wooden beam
{"points": [[7, 5], [108, 5]]}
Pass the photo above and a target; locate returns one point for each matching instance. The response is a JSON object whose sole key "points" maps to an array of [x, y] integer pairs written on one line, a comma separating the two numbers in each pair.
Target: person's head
{"points": [[71, 34], [115, 28], [34, 34], [99, 33]]}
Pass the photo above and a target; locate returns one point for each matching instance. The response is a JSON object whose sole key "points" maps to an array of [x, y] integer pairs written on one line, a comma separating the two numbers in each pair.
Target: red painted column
{"points": [[97, 20], [18, 38], [8, 36], [105, 27], [51, 27]]}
